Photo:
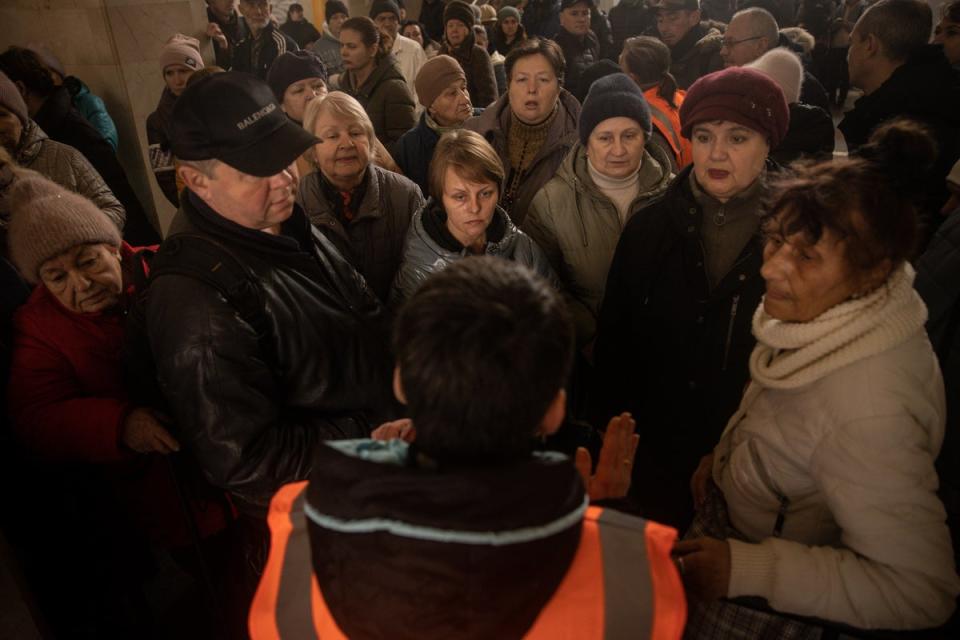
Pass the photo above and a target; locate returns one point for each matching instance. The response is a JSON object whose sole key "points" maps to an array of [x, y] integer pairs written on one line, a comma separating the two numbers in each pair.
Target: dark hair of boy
{"points": [[483, 349]]}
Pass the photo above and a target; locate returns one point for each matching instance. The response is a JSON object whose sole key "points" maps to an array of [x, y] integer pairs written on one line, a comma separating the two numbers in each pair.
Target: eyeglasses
{"points": [[729, 44]]}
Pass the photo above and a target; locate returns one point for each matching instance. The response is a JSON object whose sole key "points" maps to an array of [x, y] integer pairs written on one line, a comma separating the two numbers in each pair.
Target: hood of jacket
{"points": [[386, 69], [424, 248], [31, 141], [703, 39], [575, 172], [419, 540]]}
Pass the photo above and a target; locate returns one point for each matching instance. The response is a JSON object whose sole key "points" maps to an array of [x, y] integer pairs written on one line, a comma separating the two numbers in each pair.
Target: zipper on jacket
{"points": [[720, 217], [733, 317], [768, 483]]}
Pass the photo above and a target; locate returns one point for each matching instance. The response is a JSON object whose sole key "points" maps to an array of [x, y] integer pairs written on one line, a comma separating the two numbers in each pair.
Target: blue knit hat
{"points": [[613, 96]]}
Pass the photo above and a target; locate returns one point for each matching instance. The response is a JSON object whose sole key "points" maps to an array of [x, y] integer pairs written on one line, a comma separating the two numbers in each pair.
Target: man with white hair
{"points": [[750, 34]]}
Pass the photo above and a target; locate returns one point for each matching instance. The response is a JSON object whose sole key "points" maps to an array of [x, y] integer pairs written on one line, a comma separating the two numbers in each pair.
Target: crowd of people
{"points": [[513, 319]]}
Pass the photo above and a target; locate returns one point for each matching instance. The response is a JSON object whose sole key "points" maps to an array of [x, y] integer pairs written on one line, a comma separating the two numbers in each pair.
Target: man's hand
{"points": [[698, 482], [402, 429], [615, 468], [143, 433], [216, 34], [704, 565]]}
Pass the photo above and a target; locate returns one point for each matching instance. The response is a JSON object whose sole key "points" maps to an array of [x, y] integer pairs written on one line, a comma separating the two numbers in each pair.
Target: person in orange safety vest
{"points": [[449, 524], [647, 61]]}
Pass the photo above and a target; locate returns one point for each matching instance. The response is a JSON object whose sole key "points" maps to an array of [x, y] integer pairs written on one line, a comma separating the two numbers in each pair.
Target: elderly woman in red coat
{"points": [[67, 399]]}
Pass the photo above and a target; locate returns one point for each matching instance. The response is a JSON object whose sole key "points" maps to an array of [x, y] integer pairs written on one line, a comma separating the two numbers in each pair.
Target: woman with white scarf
{"points": [[820, 497]]}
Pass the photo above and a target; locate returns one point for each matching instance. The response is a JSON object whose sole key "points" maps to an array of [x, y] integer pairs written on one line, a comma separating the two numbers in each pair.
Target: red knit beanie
{"points": [[737, 94]]}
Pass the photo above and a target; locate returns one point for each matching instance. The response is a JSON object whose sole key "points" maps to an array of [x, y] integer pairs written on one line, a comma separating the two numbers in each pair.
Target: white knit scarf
{"points": [[789, 355]]}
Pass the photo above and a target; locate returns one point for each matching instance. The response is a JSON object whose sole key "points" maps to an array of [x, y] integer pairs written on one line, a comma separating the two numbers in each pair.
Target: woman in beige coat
{"points": [[610, 175]]}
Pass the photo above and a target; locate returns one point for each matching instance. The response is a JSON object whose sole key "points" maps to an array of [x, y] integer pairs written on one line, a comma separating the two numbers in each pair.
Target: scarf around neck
{"points": [[790, 355]]}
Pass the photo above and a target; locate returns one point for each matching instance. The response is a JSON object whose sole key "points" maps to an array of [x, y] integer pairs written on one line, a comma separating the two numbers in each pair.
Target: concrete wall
{"points": [[113, 46]]}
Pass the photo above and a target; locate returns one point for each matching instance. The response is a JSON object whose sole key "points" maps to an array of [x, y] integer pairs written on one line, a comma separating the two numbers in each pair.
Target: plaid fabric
{"points": [[724, 620]]}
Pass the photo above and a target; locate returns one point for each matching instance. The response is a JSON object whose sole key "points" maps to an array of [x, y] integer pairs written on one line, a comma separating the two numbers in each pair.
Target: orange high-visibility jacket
{"points": [[622, 582], [667, 121]]}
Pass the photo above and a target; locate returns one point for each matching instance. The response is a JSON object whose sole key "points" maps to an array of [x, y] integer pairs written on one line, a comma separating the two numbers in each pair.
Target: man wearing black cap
{"points": [[257, 371], [580, 45], [410, 55], [694, 46], [255, 53], [328, 46]]}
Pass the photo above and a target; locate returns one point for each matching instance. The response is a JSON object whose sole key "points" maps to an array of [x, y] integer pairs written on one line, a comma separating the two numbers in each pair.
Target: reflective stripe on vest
{"points": [[622, 582], [667, 121]]}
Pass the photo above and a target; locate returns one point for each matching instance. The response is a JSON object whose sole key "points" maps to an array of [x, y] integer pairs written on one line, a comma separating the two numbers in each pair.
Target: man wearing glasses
{"points": [[750, 34], [694, 45]]}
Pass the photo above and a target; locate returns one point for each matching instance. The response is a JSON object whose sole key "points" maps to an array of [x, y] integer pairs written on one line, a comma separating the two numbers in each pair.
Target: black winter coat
{"points": [[579, 53], [431, 16], [630, 18], [234, 31], [812, 92], [413, 152], [161, 155], [253, 408], [926, 88], [810, 135], [671, 351], [63, 123], [275, 43]]}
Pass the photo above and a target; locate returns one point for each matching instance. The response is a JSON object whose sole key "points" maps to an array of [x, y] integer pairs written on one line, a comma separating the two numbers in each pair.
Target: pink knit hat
{"points": [[46, 220], [11, 100], [785, 68], [182, 50]]}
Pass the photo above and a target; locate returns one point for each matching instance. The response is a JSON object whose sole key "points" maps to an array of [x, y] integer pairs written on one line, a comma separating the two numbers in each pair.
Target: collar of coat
{"points": [[435, 224]]}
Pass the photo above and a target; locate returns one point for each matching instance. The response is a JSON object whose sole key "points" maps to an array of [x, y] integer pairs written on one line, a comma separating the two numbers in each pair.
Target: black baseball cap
{"points": [[674, 5], [234, 117]]}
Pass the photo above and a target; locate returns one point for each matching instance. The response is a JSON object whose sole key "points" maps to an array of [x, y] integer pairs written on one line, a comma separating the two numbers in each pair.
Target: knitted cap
{"points": [[46, 220], [508, 12], [294, 66], [435, 76], [459, 10], [566, 4], [182, 50], [785, 68], [384, 6], [11, 100], [488, 13], [613, 96], [738, 94], [333, 7]]}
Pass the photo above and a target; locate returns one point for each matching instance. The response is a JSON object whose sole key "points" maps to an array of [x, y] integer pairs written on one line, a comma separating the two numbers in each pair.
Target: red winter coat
{"points": [[67, 402]]}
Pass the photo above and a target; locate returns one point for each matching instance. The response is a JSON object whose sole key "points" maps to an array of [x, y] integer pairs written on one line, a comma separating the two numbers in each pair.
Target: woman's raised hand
{"points": [[402, 429], [615, 467]]}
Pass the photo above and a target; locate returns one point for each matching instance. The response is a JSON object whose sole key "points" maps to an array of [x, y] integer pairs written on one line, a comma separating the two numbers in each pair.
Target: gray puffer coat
{"points": [[67, 167], [430, 248]]}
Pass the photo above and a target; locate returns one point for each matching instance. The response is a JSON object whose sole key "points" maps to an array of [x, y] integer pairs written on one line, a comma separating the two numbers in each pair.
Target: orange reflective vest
{"points": [[622, 582], [667, 121]]}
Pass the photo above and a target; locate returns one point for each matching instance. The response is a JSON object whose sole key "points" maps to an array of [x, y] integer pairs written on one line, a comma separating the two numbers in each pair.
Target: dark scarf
{"points": [[346, 204]]}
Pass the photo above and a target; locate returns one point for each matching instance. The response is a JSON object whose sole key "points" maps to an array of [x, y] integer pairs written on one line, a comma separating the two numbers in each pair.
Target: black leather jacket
{"points": [[251, 408]]}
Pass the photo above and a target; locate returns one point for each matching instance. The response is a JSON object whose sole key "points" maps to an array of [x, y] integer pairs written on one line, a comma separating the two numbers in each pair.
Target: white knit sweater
{"points": [[838, 432]]}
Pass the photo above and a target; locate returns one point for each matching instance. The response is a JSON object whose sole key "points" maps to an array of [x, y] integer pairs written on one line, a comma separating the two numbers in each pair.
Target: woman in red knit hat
{"points": [[673, 334]]}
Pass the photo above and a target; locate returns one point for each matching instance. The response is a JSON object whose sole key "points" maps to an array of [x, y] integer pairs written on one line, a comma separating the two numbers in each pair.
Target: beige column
{"points": [[113, 46]]}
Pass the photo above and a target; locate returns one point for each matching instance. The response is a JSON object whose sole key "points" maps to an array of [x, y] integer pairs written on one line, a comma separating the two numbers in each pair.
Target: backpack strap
{"points": [[209, 261]]}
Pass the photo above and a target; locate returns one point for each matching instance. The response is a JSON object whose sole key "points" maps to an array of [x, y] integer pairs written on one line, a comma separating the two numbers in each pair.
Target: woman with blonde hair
{"points": [[363, 209], [373, 77], [462, 217]]}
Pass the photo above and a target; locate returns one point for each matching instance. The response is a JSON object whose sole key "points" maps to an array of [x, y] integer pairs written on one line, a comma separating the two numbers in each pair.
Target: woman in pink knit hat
{"points": [[179, 58]]}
